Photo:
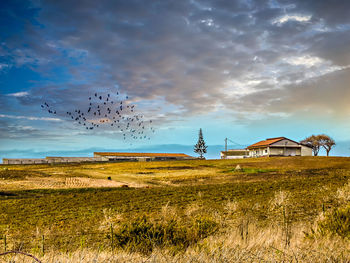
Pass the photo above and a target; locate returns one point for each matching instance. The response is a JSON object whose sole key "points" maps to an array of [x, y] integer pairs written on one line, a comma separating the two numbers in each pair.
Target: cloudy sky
{"points": [[242, 69]]}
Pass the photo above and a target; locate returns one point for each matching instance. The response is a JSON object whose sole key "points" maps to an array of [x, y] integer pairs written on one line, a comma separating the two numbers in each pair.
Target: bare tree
{"points": [[314, 142], [318, 141], [326, 142]]}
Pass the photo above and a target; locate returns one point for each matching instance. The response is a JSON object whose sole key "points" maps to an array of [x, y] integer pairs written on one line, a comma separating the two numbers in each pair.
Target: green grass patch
{"points": [[257, 170]]}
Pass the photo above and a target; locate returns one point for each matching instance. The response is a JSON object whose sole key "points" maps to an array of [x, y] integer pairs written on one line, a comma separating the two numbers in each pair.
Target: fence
{"points": [[39, 244]]}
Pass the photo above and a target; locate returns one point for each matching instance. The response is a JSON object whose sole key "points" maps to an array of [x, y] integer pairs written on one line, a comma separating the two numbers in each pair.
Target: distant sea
{"points": [[213, 151]]}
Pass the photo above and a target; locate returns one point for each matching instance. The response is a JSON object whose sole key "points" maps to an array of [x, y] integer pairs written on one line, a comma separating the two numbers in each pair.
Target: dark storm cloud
{"points": [[194, 55], [317, 95], [333, 46]]}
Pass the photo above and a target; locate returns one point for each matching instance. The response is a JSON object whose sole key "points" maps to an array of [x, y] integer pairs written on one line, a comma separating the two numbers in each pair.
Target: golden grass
{"points": [[64, 183], [163, 173], [261, 245], [263, 211]]}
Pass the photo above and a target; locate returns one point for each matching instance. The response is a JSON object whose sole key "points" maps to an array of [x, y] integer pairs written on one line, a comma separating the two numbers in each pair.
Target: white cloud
{"points": [[240, 88], [31, 118], [286, 18], [19, 94], [208, 22], [307, 61], [3, 66], [23, 128]]}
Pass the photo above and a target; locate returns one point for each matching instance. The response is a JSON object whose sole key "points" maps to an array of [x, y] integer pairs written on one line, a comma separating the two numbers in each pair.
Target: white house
{"points": [[234, 154], [279, 146]]}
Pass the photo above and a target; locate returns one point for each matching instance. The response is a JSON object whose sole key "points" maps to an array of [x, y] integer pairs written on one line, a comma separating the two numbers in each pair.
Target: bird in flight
{"points": [[129, 121]]}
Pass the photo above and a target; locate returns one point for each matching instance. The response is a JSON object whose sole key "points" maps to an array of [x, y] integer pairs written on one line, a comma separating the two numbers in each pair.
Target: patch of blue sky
{"points": [[18, 79], [59, 75], [14, 17]]}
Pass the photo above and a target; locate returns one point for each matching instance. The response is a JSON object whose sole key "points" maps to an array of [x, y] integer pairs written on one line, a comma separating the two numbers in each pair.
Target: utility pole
{"points": [[225, 148]]}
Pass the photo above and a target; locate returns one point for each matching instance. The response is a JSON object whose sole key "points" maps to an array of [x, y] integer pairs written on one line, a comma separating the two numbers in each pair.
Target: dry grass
{"points": [[343, 193], [263, 211], [164, 173], [263, 245], [63, 183]]}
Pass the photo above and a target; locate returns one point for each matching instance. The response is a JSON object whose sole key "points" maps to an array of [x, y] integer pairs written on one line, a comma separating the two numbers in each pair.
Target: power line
{"points": [[234, 143]]}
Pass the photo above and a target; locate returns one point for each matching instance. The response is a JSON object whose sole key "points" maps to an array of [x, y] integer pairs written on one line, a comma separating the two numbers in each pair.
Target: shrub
{"points": [[143, 235], [204, 226], [336, 222]]}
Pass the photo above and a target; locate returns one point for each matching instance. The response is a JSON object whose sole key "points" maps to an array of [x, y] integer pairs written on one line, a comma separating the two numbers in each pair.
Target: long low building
{"points": [[101, 157], [51, 160], [125, 156], [24, 161], [74, 159]]}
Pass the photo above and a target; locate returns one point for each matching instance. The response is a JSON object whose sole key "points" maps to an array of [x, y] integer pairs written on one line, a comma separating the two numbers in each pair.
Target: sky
{"points": [[242, 69]]}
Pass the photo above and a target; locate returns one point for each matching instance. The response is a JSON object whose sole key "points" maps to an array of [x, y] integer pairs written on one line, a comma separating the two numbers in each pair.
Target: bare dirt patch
{"points": [[60, 183]]}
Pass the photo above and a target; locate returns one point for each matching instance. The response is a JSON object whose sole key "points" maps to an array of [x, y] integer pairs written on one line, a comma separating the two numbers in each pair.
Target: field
{"points": [[291, 209]]}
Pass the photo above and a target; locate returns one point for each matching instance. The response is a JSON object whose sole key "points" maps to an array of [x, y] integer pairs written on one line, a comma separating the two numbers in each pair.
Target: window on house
{"points": [[266, 151]]}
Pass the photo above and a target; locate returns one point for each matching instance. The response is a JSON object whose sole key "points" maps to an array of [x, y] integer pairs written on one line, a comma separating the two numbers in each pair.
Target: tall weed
{"points": [[144, 235]]}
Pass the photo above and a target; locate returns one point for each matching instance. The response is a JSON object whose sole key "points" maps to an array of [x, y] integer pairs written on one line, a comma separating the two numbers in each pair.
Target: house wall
{"points": [[291, 151], [285, 151], [306, 151], [259, 152], [276, 151], [234, 157]]}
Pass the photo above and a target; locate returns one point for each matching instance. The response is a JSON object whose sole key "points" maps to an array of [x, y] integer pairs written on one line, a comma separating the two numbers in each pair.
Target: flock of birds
{"points": [[104, 111]]}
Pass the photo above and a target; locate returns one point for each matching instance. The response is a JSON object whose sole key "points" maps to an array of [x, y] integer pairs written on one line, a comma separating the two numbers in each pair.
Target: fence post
{"points": [[43, 244], [112, 238]]}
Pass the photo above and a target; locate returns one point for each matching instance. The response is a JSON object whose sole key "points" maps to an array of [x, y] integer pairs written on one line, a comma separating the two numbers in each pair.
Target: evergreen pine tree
{"points": [[200, 147]]}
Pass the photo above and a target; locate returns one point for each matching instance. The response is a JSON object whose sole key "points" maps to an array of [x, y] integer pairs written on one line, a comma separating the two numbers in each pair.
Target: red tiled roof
{"points": [[142, 154], [266, 142]]}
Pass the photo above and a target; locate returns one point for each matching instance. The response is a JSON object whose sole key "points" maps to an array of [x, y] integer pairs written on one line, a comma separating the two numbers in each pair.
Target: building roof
{"points": [[123, 154], [306, 145], [268, 142], [69, 157]]}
